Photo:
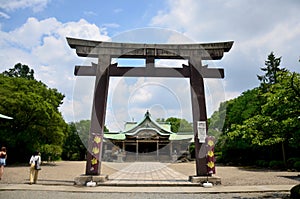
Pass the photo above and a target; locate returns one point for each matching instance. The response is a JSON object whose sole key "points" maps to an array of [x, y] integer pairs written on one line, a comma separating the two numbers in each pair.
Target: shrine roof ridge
{"points": [[92, 48], [147, 117]]}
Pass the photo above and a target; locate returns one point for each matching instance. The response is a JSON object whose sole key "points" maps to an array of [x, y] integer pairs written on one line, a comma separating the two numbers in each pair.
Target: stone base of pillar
{"points": [[120, 158], [202, 179], [83, 179]]}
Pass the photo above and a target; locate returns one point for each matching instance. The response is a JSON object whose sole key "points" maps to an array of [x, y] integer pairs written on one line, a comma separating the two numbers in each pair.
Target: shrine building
{"points": [[147, 140]]}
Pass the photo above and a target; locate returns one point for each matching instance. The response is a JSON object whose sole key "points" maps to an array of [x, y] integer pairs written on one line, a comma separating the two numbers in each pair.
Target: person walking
{"points": [[35, 166], [3, 157]]}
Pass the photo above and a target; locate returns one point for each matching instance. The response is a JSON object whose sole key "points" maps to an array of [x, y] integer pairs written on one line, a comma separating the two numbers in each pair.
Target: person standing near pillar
{"points": [[35, 162], [3, 157]]}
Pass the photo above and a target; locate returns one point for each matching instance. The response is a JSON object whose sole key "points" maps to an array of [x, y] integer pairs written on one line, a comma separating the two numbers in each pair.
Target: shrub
{"points": [[51, 152], [262, 163], [192, 150], [276, 164], [291, 162], [297, 165], [218, 156], [295, 192], [74, 156]]}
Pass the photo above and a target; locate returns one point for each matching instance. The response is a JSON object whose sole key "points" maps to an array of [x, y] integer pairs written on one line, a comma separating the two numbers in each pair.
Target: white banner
{"points": [[201, 126]]}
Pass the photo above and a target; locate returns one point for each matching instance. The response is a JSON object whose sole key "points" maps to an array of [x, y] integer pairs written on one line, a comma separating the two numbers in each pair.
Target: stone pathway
{"points": [[142, 173]]}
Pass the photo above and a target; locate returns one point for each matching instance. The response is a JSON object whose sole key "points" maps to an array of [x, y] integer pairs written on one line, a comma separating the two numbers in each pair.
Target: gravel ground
{"points": [[244, 175], [64, 172], [68, 195]]}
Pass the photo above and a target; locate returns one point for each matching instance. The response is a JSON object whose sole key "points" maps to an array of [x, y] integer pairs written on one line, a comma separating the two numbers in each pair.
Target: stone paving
{"points": [[142, 173]]}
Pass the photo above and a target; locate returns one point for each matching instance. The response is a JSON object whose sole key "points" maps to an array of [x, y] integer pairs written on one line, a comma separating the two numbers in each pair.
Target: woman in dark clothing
{"points": [[3, 157]]}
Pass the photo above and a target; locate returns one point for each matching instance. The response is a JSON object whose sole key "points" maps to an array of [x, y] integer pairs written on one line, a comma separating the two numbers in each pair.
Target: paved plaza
{"points": [[151, 178], [145, 173]]}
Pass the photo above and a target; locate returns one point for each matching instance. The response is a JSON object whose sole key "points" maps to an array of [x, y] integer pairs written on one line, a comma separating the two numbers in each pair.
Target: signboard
{"points": [[201, 127]]}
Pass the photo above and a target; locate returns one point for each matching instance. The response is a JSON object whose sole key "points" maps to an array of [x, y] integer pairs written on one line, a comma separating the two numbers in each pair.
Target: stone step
{"points": [[147, 158]]}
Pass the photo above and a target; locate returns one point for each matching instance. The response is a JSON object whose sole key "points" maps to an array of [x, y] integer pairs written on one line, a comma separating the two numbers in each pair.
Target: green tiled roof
{"points": [[161, 128], [182, 136], [115, 136], [129, 125], [132, 126], [173, 136], [166, 127]]}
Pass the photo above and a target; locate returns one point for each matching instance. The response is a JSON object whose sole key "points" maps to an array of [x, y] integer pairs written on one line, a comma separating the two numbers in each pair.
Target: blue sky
{"points": [[118, 16], [33, 32]]}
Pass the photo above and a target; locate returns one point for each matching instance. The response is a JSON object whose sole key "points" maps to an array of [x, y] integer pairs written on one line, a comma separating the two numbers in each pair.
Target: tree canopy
{"points": [[271, 69], [76, 143], [265, 119], [37, 123], [20, 70], [178, 125], [74, 147]]}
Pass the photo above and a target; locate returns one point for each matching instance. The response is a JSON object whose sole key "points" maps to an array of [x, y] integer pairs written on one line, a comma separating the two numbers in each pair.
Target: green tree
{"points": [[271, 70], [243, 107], [76, 141], [73, 148], [37, 123], [20, 70], [262, 121], [278, 122], [83, 129], [160, 120], [235, 111], [179, 125], [217, 120]]}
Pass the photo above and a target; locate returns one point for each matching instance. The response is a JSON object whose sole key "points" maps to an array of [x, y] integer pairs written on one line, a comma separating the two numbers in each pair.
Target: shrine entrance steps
{"points": [[147, 158]]}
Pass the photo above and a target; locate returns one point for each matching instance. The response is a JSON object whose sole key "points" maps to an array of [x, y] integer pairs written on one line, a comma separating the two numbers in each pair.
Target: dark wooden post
{"points": [[199, 114], [94, 153]]}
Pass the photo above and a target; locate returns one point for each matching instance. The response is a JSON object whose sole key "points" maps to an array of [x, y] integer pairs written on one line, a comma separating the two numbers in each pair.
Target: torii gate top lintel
{"points": [[207, 51]]}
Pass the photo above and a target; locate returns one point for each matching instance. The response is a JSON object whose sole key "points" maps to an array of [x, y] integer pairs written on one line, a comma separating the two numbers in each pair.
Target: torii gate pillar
{"points": [[104, 51]]}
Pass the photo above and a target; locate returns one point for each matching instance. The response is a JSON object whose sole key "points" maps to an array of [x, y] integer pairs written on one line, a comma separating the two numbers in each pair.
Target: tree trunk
{"points": [[283, 153]]}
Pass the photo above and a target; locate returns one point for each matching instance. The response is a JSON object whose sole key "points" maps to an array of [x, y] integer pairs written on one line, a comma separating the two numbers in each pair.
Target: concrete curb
{"points": [[147, 189]]}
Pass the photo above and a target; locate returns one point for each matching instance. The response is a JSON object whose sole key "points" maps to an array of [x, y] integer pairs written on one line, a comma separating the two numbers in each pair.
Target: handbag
{"points": [[37, 165]]}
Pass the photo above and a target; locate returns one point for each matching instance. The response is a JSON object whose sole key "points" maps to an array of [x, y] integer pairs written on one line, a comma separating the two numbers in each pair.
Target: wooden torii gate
{"points": [[195, 71]]}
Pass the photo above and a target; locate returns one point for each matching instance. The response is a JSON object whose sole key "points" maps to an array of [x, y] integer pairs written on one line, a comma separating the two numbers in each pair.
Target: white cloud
{"points": [[141, 95], [173, 63], [12, 5], [111, 25], [117, 10], [42, 45], [4, 15], [33, 33], [256, 27], [162, 97], [45, 50], [83, 97], [90, 13]]}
